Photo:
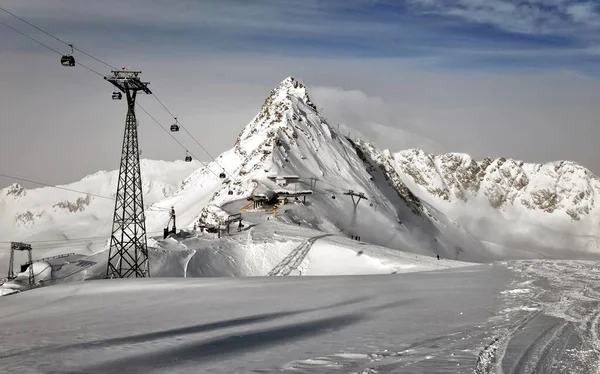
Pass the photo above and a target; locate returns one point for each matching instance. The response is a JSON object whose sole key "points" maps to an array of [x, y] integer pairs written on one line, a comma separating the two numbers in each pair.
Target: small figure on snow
{"points": [[438, 257]]}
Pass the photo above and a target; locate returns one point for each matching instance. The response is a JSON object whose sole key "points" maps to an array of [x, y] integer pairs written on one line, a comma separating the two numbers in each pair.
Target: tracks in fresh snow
{"points": [[293, 260], [550, 324], [561, 334]]}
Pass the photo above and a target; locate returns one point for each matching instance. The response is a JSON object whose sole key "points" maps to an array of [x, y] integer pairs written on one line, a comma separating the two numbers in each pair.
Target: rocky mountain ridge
{"points": [[415, 200], [562, 188]]}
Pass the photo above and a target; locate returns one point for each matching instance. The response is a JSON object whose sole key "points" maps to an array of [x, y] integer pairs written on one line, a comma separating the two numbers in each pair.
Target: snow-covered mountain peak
{"points": [[287, 103], [288, 149], [291, 87]]}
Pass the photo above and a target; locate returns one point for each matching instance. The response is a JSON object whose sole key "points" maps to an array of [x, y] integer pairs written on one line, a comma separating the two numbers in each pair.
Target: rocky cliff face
{"points": [[560, 188]]}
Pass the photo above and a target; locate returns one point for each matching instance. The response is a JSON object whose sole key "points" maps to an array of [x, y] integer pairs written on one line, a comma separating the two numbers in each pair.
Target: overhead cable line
{"points": [[247, 188], [186, 130], [51, 186], [102, 75], [48, 47], [51, 241], [174, 138], [74, 240], [205, 150], [115, 68], [97, 73], [56, 38]]}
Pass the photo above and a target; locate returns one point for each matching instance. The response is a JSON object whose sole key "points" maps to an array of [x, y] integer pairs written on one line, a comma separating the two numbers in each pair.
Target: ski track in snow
{"points": [[549, 319], [552, 326], [558, 326], [292, 261]]}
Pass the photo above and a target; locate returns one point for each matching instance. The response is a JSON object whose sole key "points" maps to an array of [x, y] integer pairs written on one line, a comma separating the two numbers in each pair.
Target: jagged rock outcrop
{"points": [[563, 187], [15, 190]]}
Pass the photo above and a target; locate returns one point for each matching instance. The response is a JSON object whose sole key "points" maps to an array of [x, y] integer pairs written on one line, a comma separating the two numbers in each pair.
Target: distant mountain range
{"points": [[446, 204]]}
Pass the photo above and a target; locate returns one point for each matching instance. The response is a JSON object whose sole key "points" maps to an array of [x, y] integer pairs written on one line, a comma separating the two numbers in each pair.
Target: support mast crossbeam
{"points": [[356, 197]]}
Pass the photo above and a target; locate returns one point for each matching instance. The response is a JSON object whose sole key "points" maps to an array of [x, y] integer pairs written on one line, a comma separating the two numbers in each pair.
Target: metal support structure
{"points": [[234, 218], [356, 197], [17, 246], [171, 218], [457, 252], [359, 195], [313, 183], [11, 262], [128, 254]]}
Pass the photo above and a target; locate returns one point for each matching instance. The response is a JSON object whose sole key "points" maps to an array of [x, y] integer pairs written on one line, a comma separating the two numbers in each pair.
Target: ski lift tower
{"points": [[18, 246], [128, 255], [356, 197], [359, 196]]}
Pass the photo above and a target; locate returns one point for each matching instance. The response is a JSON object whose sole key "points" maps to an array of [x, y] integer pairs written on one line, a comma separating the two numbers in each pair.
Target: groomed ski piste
{"points": [[291, 290]]}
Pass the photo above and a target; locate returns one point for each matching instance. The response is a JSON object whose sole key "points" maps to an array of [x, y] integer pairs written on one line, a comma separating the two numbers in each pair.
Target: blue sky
{"points": [[441, 34], [486, 77]]}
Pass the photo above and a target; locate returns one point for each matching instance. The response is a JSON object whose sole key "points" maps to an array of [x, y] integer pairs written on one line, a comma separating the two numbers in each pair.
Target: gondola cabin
{"points": [[175, 126], [67, 60]]}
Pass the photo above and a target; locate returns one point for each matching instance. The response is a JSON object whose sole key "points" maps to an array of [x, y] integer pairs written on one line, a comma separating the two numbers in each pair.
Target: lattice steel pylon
{"points": [[128, 254]]}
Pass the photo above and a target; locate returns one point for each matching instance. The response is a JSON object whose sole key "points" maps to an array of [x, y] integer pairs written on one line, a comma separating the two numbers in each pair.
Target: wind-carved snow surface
{"points": [[538, 317], [550, 323]]}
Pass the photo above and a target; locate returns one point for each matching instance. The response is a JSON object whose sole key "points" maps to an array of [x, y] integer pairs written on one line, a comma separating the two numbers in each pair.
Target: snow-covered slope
{"points": [[547, 207], [446, 205], [539, 317], [288, 137], [55, 220]]}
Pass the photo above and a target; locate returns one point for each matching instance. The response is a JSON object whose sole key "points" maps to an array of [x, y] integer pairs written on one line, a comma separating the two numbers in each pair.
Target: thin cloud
{"points": [[437, 33], [585, 13], [488, 93], [557, 17]]}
